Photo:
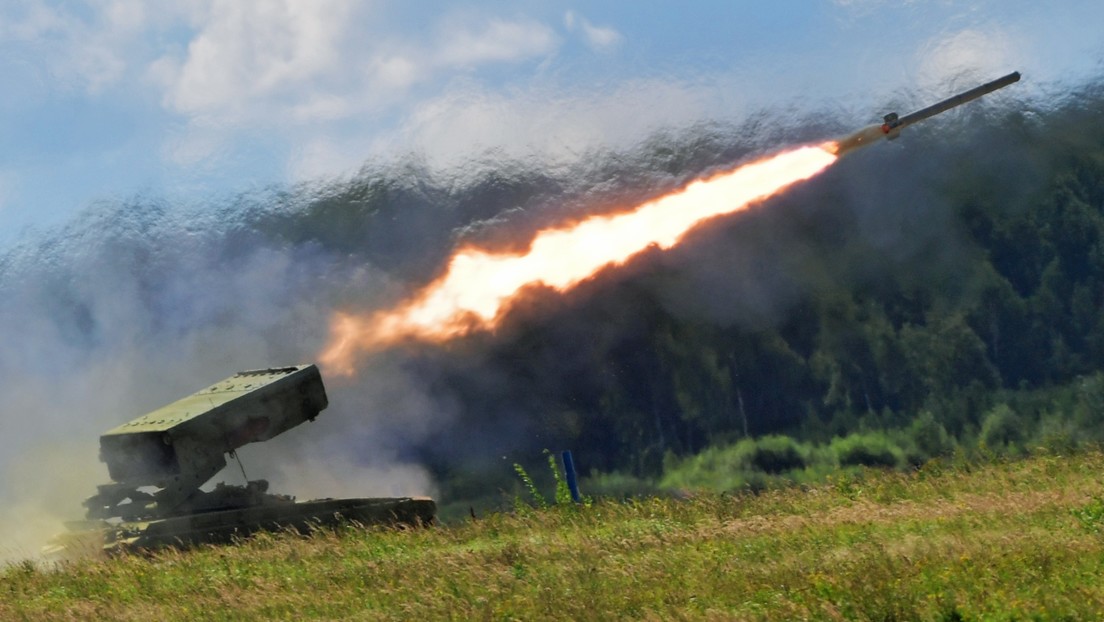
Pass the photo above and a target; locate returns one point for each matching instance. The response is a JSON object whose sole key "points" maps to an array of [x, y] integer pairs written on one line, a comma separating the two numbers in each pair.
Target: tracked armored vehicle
{"points": [[159, 461]]}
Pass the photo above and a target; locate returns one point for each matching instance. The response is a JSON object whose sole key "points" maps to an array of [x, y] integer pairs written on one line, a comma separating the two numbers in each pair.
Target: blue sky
{"points": [[191, 101]]}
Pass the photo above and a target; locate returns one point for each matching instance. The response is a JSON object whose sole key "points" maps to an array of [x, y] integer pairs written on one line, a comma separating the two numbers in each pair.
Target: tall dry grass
{"points": [[1002, 541]]}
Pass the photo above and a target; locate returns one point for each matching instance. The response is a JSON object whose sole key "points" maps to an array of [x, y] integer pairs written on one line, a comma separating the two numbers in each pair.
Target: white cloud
{"points": [[323, 157], [257, 63], [308, 70], [469, 123], [322, 106], [247, 53], [964, 57], [395, 71], [496, 41], [126, 15], [456, 130], [452, 129], [597, 37], [193, 146], [86, 51], [31, 23]]}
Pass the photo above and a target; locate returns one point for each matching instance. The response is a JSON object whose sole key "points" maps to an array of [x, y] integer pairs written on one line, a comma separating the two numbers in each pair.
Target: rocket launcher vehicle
{"points": [[177, 448], [159, 461], [893, 124]]}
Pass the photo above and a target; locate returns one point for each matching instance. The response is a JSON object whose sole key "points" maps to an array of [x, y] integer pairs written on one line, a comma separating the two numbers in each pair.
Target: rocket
{"points": [[893, 124]]}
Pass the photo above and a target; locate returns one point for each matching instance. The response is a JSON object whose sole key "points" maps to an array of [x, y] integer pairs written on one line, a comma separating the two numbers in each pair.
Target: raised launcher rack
{"points": [[159, 461]]}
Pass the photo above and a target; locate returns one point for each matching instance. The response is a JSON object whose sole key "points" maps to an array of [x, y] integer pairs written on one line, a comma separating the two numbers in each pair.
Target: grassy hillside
{"points": [[1001, 541]]}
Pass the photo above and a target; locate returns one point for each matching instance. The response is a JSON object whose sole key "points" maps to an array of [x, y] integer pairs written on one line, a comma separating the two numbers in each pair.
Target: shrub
{"points": [[1001, 428], [749, 463], [871, 450], [777, 454], [715, 468], [1056, 434], [929, 436], [1089, 407]]}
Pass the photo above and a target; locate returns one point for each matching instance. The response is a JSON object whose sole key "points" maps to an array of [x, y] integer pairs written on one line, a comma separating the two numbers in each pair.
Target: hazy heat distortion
{"points": [[478, 285]]}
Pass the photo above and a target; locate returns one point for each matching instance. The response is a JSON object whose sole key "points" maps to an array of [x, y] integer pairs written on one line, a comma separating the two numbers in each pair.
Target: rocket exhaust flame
{"points": [[479, 286]]}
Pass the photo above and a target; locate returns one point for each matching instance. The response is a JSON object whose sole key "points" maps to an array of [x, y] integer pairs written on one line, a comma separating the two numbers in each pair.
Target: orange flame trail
{"points": [[478, 285]]}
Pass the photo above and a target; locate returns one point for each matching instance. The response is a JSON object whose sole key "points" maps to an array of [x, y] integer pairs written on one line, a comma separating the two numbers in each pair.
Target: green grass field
{"points": [[1016, 540]]}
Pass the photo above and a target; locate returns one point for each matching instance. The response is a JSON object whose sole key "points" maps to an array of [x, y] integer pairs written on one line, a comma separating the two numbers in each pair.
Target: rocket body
{"points": [[893, 124]]}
